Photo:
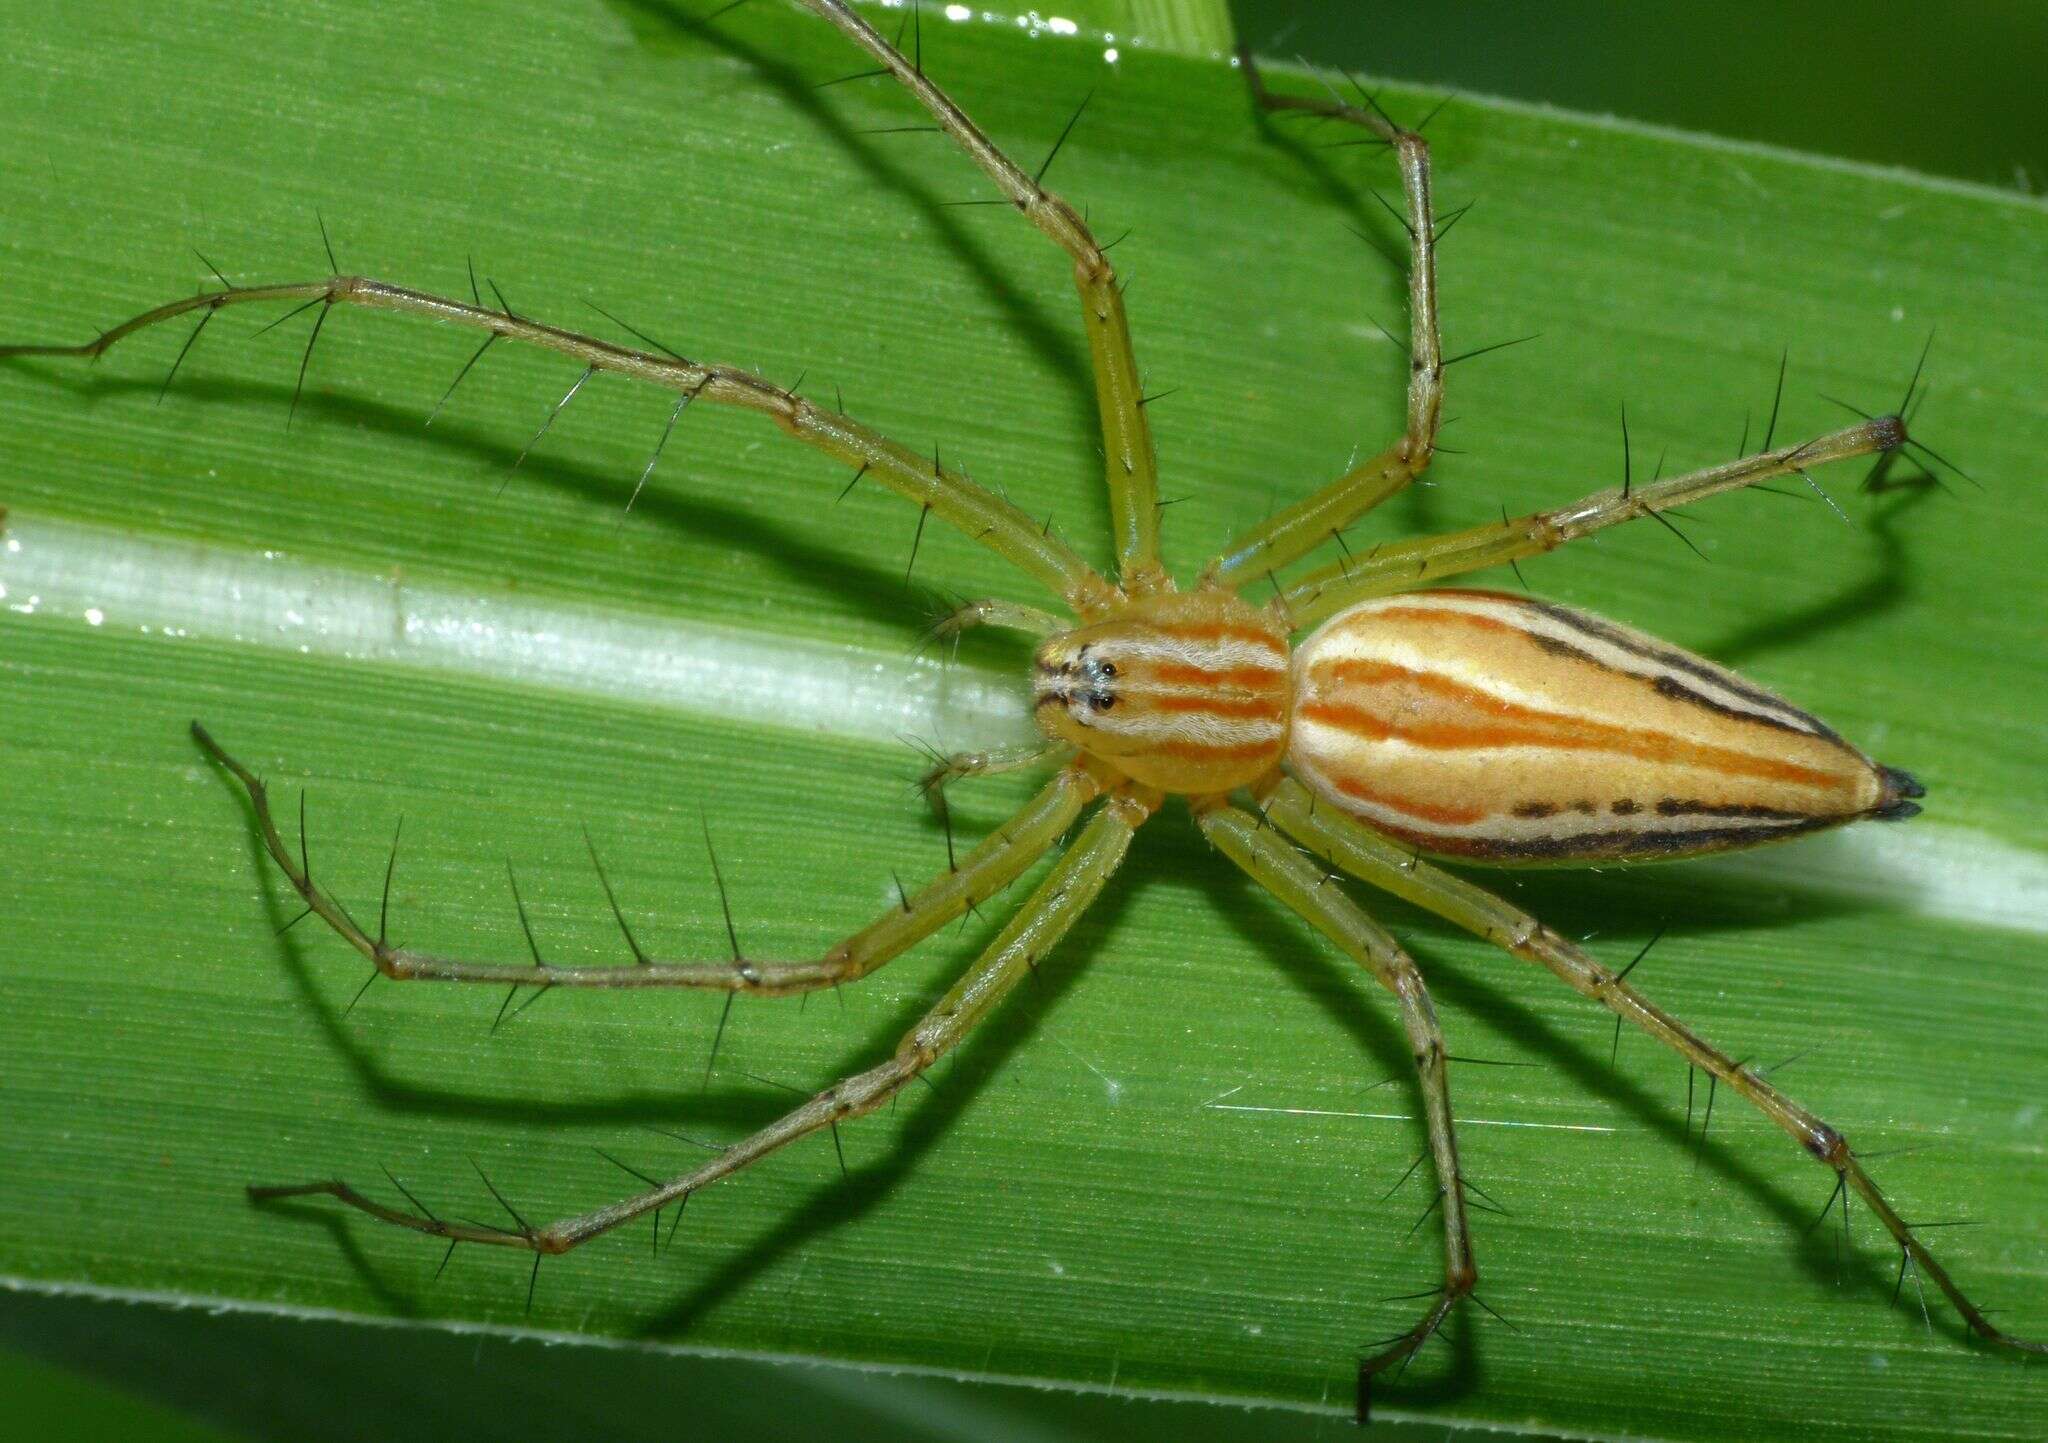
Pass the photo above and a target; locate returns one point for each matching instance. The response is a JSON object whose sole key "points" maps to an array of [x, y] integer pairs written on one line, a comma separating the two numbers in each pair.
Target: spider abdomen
{"points": [[1505, 729]]}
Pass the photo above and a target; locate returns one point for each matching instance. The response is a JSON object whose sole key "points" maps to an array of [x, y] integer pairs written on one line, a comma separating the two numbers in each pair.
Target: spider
{"points": [[1355, 717]]}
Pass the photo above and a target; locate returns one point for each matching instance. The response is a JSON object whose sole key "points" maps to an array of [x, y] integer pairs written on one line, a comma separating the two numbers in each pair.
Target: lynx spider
{"points": [[1200, 738]]}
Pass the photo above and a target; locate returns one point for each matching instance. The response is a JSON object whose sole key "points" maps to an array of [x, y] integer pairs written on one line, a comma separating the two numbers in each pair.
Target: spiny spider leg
{"points": [[1132, 469], [1365, 854], [1001, 858], [1004, 615], [1043, 919], [1292, 533], [1404, 565], [1272, 862], [982, 515], [950, 767]]}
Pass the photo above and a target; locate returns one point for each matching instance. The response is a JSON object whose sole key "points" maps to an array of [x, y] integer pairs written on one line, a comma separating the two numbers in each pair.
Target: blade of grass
{"points": [[1066, 1206]]}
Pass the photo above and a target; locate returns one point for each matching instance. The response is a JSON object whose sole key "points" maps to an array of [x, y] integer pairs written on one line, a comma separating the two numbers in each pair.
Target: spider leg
{"points": [[1001, 858], [1281, 869], [950, 767], [1297, 530], [1373, 858], [1132, 469], [982, 515], [1404, 565], [1006, 615], [1064, 894]]}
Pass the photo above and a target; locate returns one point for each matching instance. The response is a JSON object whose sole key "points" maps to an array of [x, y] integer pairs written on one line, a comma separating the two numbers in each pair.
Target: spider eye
{"points": [[1101, 700], [1108, 668]]}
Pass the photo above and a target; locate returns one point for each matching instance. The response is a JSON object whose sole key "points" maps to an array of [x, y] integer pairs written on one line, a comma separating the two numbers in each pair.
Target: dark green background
{"points": [[1954, 89]]}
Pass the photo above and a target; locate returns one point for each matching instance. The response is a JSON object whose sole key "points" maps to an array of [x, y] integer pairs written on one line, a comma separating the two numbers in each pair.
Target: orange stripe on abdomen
{"points": [[1511, 725], [1409, 806], [1487, 726]]}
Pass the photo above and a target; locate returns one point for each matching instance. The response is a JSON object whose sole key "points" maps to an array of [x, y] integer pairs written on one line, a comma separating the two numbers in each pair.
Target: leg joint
{"points": [[1825, 1143], [1460, 1279]]}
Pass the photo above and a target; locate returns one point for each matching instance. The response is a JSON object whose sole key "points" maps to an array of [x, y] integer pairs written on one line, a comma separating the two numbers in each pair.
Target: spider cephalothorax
{"points": [[1183, 691]]}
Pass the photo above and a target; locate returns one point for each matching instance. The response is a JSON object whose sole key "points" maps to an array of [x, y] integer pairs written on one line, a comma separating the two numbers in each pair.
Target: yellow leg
{"points": [[1132, 467], [1365, 854], [1000, 859], [1294, 532], [1282, 870], [981, 514], [1404, 565], [1061, 898]]}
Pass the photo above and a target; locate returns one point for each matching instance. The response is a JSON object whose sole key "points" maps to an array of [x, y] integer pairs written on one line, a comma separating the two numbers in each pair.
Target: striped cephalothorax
{"points": [[1185, 692], [1473, 725]]}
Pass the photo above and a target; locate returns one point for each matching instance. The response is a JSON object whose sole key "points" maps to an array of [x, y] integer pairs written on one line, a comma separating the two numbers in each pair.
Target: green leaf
{"points": [[1167, 1167]]}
